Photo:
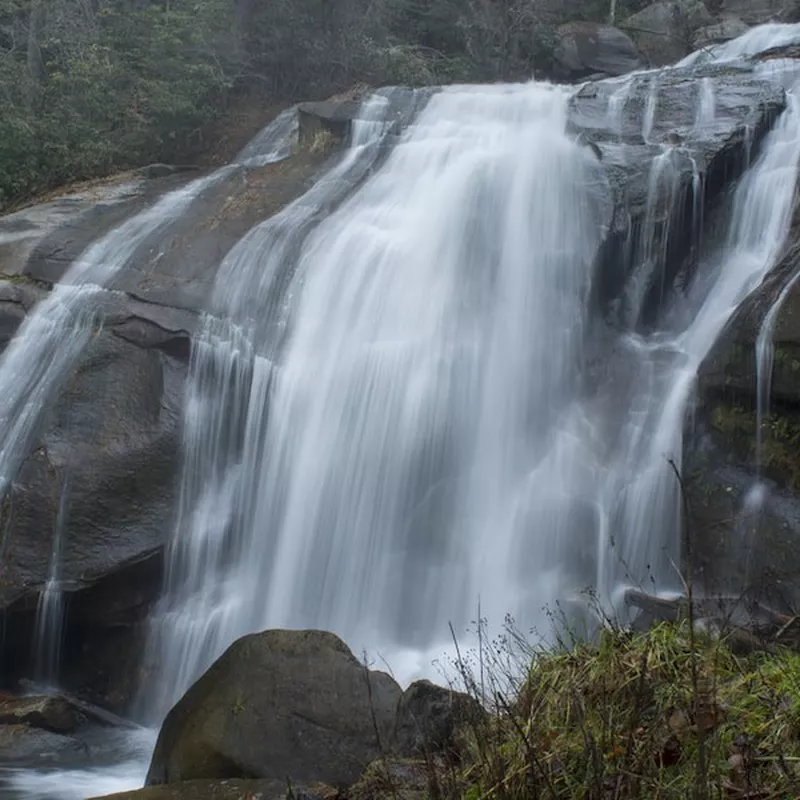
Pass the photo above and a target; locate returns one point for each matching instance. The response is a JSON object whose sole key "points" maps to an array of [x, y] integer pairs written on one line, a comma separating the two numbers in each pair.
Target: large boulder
{"points": [[588, 48], [664, 31], [293, 705], [225, 790]]}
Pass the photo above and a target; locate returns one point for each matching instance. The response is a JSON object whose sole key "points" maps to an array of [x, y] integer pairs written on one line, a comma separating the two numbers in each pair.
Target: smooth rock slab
{"points": [[293, 705]]}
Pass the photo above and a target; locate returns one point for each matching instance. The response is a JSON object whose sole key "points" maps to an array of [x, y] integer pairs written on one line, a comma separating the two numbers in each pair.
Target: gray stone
{"points": [[22, 744], [48, 713], [586, 49], [664, 31], [723, 31], [282, 704], [746, 106], [428, 717]]}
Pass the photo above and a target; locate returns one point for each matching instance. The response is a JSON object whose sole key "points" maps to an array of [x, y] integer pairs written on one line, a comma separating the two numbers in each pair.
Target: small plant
{"points": [[323, 142]]}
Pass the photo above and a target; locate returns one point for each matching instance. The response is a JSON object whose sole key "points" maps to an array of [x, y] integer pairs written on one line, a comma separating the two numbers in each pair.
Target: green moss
{"points": [[780, 439]]}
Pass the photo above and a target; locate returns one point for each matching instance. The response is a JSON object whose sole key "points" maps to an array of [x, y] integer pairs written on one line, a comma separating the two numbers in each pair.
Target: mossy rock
{"points": [[293, 705], [224, 790]]}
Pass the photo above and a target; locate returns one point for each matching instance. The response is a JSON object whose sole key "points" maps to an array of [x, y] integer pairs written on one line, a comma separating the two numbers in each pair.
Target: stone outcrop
{"points": [[585, 49], [664, 32]]}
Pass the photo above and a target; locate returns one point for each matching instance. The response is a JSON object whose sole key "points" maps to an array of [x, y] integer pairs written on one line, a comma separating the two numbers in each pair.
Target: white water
{"points": [[410, 422]]}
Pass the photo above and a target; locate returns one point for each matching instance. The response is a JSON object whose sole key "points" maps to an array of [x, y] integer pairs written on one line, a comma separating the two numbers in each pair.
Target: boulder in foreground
{"points": [[224, 790], [283, 705]]}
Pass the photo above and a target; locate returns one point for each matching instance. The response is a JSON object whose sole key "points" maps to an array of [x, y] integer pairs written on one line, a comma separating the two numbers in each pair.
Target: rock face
{"points": [[587, 48], [107, 444], [664, 32], [632, 147], [746, 538], [756, 12], [278, 705]]}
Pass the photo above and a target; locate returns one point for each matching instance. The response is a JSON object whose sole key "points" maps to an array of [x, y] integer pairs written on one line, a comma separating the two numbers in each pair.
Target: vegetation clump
{"points": [[668, 713]]}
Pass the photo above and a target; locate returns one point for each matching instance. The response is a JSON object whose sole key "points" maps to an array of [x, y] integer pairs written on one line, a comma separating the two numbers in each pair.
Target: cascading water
{"points": [[406, 417]]}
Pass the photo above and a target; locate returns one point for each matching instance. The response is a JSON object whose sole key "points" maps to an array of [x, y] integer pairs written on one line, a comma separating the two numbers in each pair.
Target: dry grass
{"points": [[662, 714]]}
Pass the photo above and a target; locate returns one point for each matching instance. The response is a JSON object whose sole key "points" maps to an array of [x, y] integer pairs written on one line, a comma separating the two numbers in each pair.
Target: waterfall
{"points": [[387, 416]]}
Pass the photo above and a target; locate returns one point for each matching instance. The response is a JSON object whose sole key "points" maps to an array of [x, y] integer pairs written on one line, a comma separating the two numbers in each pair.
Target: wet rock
{"points": [[664, 31], [745, 537], [23, 230], [329, 116], [686, 156], [428, 717], [112, 428], [17, 297], [110, 441], [225, 790], [23, 744], [730, 369], [280, 704], [48, 713], [723, 31], [586, 49]]}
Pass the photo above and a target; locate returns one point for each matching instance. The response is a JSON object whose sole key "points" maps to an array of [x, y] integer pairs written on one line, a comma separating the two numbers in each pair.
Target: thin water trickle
{"points": [[49, 626], [650, 108], [765, 354], [706, 106]]}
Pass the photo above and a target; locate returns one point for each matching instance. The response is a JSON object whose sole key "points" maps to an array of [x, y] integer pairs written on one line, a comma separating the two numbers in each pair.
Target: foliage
{"points": [[92, 86], [659, 714]]}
